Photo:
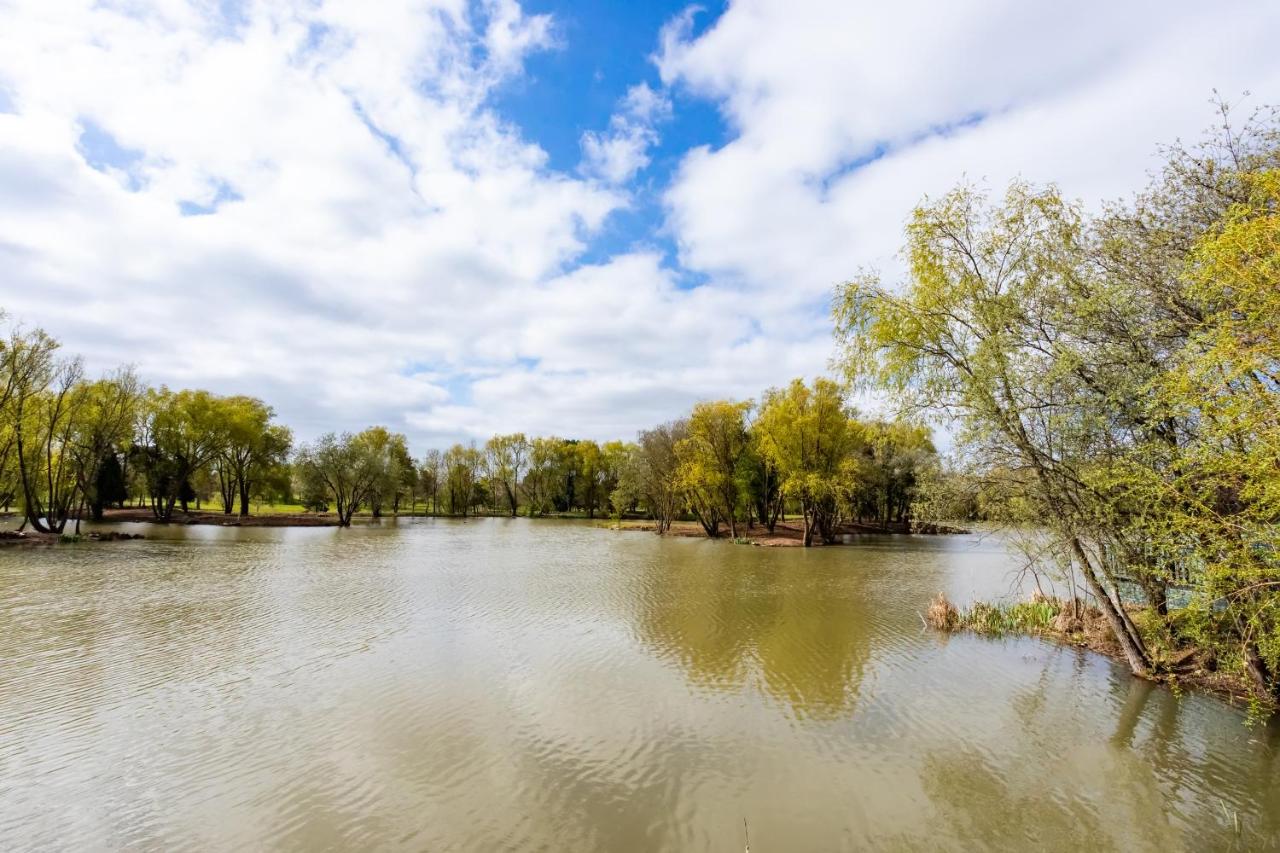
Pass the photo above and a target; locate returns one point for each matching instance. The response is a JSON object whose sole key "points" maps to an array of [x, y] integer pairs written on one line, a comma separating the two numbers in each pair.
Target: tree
{"points": [[104, 425], [389, 452], [649, 473], [760, 483], [977, 334], [710, 454], [346, 468], [542, 480], [253, 447], [613, 456], [182, 432], [506, 456], [41, 403], [590, 475], [891, 457], [110, 486], [1214, 494], [804, 433], [405, 471], [462, 466], [431, 474]]}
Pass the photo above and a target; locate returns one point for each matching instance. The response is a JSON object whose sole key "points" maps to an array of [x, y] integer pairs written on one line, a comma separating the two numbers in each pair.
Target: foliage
{"points": [[1113, 378], [804, 433]]}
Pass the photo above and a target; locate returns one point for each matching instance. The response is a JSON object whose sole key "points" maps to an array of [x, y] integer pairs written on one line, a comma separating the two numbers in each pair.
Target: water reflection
{"points": [[799, 629]]}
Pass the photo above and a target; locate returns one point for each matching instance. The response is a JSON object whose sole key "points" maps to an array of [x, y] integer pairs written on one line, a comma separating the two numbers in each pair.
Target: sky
{"points": [[457, 218]]}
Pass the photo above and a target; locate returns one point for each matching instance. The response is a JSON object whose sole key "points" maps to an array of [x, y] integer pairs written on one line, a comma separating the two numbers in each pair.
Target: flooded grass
{"points": [[1079, 624]]}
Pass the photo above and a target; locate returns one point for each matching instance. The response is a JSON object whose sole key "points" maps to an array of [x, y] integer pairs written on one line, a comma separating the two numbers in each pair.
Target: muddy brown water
{"points": [[516, 685]]}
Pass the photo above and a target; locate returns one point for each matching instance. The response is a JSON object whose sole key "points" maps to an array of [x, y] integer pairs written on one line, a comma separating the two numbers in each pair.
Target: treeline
{"points": [[1115, 381], [71, 447], [805, 450]]}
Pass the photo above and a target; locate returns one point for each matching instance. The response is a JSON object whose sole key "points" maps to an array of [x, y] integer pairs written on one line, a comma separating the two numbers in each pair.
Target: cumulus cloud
{"points": [[318, 203], [616, 155], [845, 115]]}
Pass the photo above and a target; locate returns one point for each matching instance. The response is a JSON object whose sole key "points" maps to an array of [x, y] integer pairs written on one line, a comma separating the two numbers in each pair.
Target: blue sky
{"points": [[459, 217], [601, 51]]}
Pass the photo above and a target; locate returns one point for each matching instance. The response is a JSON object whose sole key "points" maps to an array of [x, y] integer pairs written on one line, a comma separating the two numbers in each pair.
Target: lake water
{"points": [[516, 685]]}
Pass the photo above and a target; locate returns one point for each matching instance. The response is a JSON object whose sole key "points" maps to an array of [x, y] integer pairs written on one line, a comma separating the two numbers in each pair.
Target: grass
{"points": [[1040, 615]]}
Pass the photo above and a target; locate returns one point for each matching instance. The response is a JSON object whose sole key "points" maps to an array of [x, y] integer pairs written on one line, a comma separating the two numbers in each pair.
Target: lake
{"points": [[538, 685]]}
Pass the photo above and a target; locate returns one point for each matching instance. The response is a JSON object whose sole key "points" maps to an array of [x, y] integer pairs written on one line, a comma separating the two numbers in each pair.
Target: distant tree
{"points": [[804, 434], [709, 456], [344, 468], [252, 448], [105, 421], [761, 483], [462, 467], [182, 432], [109, 488], [431, 475], [541, 481], [649, 473], [506, 458], [42, 397], [590, 474], [389, 452]]}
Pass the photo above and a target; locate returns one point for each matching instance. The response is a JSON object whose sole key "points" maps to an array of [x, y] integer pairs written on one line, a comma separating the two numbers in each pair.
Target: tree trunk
{"points": [[1131, 645], [1259, 672]]}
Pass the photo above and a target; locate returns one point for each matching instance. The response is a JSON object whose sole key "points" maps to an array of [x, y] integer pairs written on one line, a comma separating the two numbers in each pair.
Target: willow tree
{"points": [[976, 332], [804, 433], [345, 467], [1121, 371], [462, 466], [541, 481], [42, 397], [1211, 499], [253, 447], [181, 433], [715, 442], [648, 474], [107, 411], [589, 478], [388, 452], [506, 457], [1232, 378], [891, 458]]}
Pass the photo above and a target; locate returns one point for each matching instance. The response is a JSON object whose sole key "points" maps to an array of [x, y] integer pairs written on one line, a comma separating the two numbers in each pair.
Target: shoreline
{"points": [[1049, 619], [786, 534], [143, 515], [34, 538]]}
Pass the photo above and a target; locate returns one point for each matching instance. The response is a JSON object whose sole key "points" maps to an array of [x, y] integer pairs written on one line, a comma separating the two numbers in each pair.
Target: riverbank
{"points": [[1085, 627], [786, 534], [29, 538], [219, 519]]}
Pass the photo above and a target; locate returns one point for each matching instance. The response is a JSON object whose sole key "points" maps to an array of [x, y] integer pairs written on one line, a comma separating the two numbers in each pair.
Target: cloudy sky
{"points": [[455, 218]]}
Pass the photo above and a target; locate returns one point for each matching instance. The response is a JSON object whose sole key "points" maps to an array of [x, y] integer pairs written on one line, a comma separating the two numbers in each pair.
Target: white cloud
{"points": [[930, 94], [376, 244], [616, 155]]}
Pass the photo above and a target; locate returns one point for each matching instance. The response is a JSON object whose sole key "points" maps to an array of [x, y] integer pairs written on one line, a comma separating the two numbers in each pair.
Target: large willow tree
{"points": [[1122, 371]]}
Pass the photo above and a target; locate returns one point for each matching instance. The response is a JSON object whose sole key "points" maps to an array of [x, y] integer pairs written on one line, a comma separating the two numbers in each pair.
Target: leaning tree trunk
{"points": [[1261, 675], [1134, 651]]}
